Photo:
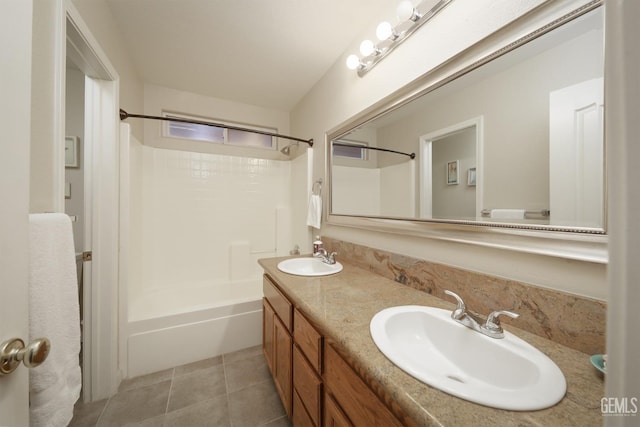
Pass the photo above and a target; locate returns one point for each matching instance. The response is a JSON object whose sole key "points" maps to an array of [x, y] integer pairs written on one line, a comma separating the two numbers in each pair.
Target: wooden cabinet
{"points": [[307, 385], [268, 334], [277, 342], [355, 399], [333, 415], [308, 339], [301, 417], [316, 385], [282, 363]]}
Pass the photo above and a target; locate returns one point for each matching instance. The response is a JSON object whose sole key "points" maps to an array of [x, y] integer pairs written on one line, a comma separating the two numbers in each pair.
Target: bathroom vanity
{"points": [[329, 372], [313, 380]]}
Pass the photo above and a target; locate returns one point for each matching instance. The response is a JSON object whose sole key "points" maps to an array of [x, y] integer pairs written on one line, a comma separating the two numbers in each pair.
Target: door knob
{"points": [[13, 351]]}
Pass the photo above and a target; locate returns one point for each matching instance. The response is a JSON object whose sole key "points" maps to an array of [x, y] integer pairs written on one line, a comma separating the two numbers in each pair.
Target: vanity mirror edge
{"points": [[575, 243]]}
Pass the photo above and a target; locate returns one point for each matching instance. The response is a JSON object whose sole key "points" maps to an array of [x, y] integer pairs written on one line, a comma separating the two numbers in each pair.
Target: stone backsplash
{"points": [[574, 321]]}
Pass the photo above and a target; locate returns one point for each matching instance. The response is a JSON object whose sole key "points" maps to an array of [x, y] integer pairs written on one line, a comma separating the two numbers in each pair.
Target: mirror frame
{"points": [[579, 243]]}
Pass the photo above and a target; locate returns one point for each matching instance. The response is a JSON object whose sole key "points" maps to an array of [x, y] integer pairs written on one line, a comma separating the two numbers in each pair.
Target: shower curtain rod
{"points": [[342, 144], [124, 115]]}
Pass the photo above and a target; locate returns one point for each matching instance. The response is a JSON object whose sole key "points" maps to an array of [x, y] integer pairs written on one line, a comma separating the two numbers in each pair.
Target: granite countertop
{"points": [[343, 304]]}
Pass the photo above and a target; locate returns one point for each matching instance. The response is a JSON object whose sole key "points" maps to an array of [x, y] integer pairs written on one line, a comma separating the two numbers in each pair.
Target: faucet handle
{"points": [[322, 252], [493, 320], [460, 309], [332, 257]]}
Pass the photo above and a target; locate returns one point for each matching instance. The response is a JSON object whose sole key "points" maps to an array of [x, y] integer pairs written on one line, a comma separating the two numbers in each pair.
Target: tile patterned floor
{"points": [[232, 390]]}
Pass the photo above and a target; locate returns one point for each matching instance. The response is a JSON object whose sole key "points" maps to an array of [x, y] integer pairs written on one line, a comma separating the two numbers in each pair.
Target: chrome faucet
{"points": [[326, 258], [491, 326]]}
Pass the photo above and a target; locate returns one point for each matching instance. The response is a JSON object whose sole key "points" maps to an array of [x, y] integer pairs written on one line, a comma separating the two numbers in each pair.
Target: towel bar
{"points": [[542, 212]]}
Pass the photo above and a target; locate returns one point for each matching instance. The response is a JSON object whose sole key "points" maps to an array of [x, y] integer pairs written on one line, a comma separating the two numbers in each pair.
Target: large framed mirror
{"points": [[511, 141]]}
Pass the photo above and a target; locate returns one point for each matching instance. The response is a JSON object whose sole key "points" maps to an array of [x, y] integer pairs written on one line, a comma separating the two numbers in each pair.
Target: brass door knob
{"points": [[13, 351]]}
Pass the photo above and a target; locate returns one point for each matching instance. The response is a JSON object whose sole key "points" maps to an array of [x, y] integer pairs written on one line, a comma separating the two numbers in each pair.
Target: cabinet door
{"points": [[282, 362], [300, 416], [268, 334], [333, 415], [307, 385]]}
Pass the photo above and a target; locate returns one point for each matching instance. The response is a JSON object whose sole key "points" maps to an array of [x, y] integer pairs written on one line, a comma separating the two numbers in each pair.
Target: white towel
{"points": [[314, 215], [508, 213], [54, 313]]}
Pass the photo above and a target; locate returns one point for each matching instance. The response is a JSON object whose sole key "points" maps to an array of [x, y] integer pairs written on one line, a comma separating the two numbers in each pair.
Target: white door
{"points": [[15, 113], [576, 154]]}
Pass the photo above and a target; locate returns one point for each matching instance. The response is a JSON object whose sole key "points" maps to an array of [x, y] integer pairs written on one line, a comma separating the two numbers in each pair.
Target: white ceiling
{"points": [[267, 53]]}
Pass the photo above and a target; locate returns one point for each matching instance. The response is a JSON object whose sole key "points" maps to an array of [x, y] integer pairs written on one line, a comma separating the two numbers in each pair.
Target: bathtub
{"points": [[171, 327]]}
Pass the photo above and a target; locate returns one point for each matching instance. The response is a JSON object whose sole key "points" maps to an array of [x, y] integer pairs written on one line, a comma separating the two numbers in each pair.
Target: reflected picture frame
{"points": [[452, 172], [71, 152], [471, 177]]}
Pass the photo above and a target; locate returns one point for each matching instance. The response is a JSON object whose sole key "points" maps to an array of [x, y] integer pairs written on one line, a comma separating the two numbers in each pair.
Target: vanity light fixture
{"points": [[411, 18], [406, 11], [385, 31], [367, 48]]}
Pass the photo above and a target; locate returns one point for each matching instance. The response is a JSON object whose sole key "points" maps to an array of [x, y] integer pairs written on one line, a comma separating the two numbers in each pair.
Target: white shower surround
{"points": [[198, 208], [199, 224]]}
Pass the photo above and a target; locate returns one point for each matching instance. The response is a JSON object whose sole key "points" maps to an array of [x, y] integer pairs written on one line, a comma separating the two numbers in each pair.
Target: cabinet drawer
{"points": [[333, 415], [307, 385], [356, 399], [279, 302], [300, 416], [308, 339]]}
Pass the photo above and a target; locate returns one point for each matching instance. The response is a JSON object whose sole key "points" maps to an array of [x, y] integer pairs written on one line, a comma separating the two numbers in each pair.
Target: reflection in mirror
{"points": [[517, 141], [368, 188], [448, 182]]}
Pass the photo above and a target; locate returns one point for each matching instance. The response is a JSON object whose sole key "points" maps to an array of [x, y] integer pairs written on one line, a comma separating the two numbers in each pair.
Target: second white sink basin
{"points": [[308, 267], [505, 373]]}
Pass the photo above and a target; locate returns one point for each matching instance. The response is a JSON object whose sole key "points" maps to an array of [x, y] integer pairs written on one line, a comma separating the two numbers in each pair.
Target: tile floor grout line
{"points": [[104, 408], [173, 376], [226, 388], [253, 384]]}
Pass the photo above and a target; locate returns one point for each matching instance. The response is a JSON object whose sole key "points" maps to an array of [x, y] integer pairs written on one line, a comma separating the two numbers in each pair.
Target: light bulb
{"points": [[384, 31], [353, 62], [405, 10], [367, 48]]}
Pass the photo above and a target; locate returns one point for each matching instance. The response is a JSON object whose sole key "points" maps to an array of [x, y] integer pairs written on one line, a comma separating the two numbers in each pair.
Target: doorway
{"points": [[94, 136], [451, 172], [75, 166]]}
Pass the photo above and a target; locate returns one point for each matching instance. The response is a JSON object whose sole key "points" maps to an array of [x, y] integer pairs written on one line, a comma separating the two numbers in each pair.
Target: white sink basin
{"points": [[308, 267], [505, 373]]}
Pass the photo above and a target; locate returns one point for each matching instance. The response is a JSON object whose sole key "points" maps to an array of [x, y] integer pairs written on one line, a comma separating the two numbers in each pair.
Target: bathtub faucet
{"points": [[327, 259]]}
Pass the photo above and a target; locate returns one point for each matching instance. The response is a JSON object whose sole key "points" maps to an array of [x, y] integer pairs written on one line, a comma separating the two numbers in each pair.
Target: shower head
{"points": [[287, 149]]}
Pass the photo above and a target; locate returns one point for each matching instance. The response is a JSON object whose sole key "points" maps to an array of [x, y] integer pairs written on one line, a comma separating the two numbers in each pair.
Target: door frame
{"points": [[425, 146], [100, 362]]}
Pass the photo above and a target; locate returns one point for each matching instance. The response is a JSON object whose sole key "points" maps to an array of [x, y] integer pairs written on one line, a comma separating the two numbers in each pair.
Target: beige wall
{"points": [[47, 129], [456, 201], [342, 94], [74, 126], [158, 99], [97, 15], [48, 86]]}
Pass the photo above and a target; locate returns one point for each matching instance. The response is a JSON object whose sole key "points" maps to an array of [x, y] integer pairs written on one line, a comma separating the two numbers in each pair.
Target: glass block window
{"points": [[216, 134]]}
